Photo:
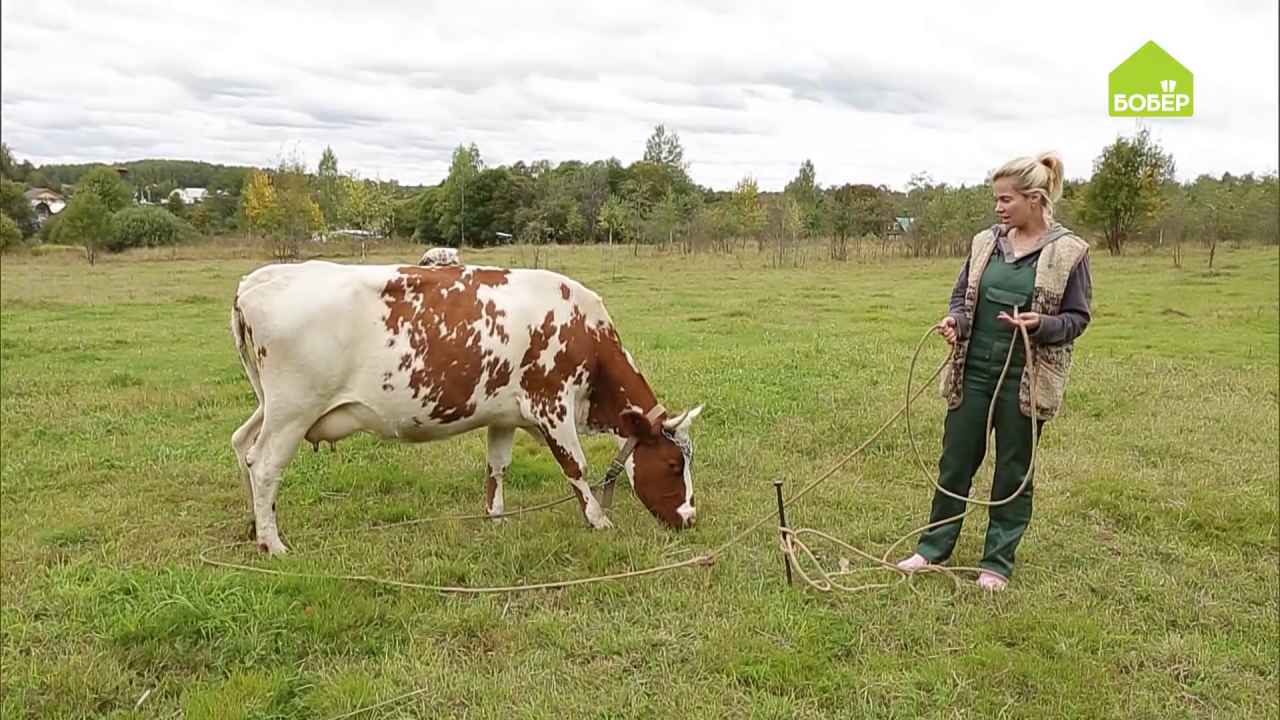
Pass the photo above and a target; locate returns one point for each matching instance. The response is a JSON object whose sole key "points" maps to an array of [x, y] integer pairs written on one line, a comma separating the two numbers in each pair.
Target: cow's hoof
{"points": [[601, 523]]}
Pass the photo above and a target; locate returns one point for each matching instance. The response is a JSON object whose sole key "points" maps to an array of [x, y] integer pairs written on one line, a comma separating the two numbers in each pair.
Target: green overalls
{"points": [[1004, 284]]}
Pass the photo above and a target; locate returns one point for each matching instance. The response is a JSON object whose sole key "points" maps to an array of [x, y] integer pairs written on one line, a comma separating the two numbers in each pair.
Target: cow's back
{"points": [[422, 348]]}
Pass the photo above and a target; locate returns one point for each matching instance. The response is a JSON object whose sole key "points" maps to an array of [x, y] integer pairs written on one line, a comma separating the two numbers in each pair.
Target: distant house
{"points": [[45, 202], [190, 196]]}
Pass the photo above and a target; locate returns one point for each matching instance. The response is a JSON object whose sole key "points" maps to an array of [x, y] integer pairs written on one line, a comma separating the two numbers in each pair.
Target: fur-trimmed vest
{"points": [[1053, 362]]}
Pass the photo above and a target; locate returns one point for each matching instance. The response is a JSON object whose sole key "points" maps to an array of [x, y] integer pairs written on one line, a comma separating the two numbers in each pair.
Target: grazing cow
{"points": [[440, 256], [424, 353]]}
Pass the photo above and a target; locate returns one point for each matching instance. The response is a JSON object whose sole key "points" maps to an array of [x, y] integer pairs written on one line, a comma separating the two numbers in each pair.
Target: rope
{"points": [[455, 589], [791, 544], [705, 559], [789, 537], [794, 548]]}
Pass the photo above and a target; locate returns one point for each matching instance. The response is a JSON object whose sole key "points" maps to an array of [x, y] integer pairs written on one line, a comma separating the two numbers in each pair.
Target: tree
{"points": [[666, 217], [748, 214], [1173, 224], [591, 188], [10, 235], [1124, 190], [294, 215], [328, 163], [175, 205], [199, 217], [804, 190], [664, 148], [464, 166], [366, 206], [427, 229], [1217, 210], [257, 201], [87, 222], [614, 216], [330, 187], [7, 166], [14, 205], [804, 186], [105, 182]]}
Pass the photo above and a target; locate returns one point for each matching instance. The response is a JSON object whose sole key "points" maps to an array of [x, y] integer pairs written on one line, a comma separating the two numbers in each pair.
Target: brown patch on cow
{"points": [[617, 385], [492, 322], [564, 291], [499, 376], [571, 364], [490, 489], [438, 308], [246, 334]]}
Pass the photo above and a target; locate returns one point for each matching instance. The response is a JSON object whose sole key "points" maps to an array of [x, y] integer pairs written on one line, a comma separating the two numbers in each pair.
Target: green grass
{"points": [[1146, 588]]}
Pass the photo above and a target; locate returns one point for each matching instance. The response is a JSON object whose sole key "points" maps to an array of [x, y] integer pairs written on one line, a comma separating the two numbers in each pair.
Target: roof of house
{"points": [[41, 194]]}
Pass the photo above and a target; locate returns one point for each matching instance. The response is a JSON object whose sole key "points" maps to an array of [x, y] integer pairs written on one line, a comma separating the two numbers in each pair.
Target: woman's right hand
{"points": [[947, 328]]}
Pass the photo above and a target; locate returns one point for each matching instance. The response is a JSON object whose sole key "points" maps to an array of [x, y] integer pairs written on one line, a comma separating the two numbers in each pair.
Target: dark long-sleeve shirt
{"points": [[1073, 314]]}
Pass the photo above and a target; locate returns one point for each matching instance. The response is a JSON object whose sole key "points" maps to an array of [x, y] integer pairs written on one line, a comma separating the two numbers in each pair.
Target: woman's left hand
{"points": [[1028, 320]]}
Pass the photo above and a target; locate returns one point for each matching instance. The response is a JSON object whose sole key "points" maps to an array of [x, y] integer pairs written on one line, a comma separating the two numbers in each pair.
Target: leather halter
{"points": [[619, 461]]}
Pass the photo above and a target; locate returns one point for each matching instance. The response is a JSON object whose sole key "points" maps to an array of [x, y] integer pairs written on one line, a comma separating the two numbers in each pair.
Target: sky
{"points": [[870, 92]]}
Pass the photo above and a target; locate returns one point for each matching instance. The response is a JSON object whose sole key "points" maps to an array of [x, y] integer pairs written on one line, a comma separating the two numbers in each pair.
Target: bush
{"points": [[147, 227], [48, 233], [15, 205], [10, 234]]}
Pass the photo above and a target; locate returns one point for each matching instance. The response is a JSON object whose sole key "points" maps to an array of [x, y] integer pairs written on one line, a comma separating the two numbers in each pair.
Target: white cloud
{"points": [[871, 94]]}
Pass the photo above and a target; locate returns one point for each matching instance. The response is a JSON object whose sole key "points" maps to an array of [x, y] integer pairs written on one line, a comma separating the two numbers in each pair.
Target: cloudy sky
{"points": [[872, 92]]}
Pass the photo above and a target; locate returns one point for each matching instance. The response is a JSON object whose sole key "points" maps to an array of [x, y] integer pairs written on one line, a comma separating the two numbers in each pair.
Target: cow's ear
{"points": [[635, 424]]}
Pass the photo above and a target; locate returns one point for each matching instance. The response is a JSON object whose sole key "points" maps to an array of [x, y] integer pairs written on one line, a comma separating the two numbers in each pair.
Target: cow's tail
{"points": [[243, 336]]}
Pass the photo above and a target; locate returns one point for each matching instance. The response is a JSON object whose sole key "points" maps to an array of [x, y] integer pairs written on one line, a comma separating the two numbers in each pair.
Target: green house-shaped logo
{"points": [[1151, 84]]}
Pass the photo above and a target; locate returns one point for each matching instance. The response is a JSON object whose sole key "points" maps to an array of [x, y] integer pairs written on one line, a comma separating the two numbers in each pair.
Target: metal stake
{"points": [[782, 522]]}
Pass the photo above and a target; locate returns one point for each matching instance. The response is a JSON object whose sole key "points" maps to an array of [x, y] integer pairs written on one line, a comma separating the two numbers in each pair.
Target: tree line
{"points": [[1131, 196]]}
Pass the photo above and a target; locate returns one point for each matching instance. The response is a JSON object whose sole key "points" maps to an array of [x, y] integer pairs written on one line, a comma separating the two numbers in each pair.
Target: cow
{"points": [[440, 256], [419, 354]]}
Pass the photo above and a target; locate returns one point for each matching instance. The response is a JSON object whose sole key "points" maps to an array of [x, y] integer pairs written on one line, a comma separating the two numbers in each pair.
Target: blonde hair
{"points": [[1040, 176]]}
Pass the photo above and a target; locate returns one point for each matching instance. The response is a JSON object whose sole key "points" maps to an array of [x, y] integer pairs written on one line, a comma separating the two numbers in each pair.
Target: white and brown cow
{"points": [[424, 353]]}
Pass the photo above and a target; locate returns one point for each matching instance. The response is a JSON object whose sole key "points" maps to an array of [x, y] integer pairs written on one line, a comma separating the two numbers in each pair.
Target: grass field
{"points": [[1146, 587]]}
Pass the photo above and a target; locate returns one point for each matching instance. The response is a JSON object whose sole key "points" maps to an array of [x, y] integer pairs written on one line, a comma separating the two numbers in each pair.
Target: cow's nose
{"points": [[688, 515]]}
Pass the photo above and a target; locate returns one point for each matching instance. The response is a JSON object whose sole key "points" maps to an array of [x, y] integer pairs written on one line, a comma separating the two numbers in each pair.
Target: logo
{"points": [[1151, 83]]}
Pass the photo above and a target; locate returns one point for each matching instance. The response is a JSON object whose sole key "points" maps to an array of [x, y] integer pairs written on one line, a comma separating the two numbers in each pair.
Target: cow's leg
{"points": [[276, 446], [242, 441], [501, 440], [564, 444]]}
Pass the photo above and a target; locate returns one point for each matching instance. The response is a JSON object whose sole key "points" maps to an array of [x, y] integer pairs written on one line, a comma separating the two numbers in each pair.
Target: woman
{"points": [[1030, 272]]}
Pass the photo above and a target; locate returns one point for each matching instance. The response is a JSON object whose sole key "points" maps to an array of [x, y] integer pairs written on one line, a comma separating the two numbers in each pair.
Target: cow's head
{"points": [[663, 464]]}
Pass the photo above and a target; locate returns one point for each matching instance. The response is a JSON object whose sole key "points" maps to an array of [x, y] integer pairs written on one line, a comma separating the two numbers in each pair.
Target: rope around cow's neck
{"points": [[792, 546]]}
